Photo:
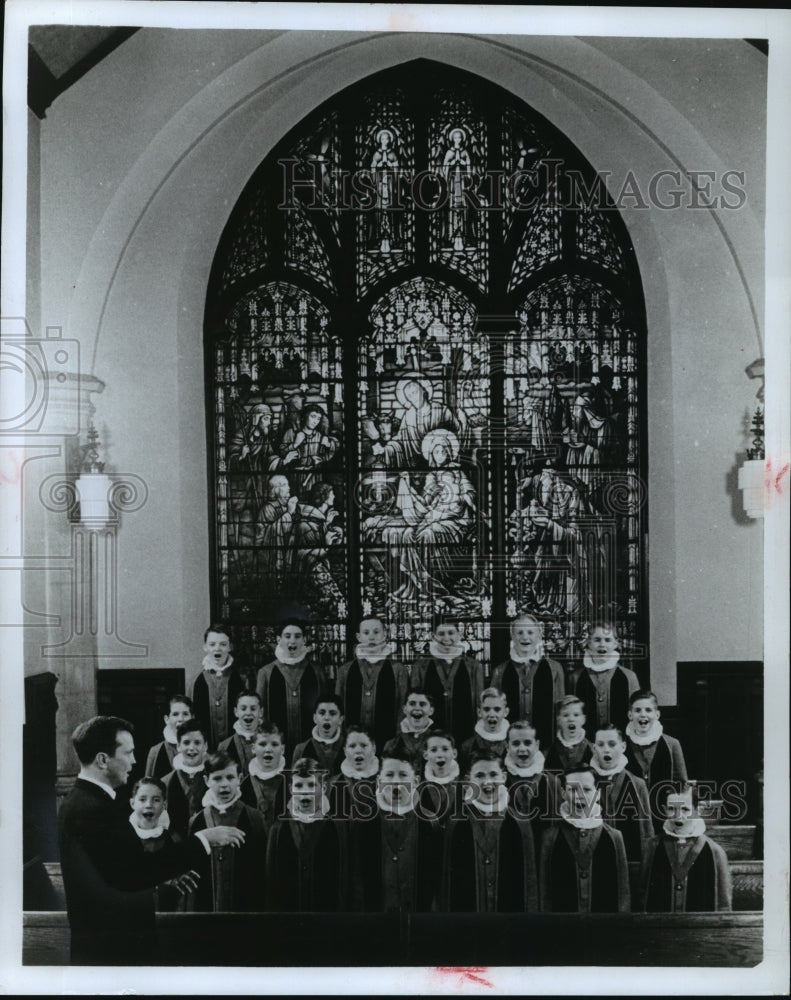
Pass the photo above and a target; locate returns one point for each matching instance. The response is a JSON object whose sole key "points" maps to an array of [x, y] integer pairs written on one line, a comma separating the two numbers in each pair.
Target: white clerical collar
{"points": [[697, 827], [291, 661], [180, 765], [443, 653], [583, 822], [156, 831], [316, 735], [536, 767], [488, 808], [441, 779], [256, 769], [169, 734], [610, 661], [311, 817], [210, 799], [367, 772], [408, 726], [211, 667], [374, 656], [239, 729], [396, 808], [568, 744], [620, 765], [534, 657], [497, 736], [101, 784], [645, 739]]}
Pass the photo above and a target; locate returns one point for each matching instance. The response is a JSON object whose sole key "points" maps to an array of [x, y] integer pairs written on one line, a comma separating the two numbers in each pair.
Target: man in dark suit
{"points": [[109, 879]]}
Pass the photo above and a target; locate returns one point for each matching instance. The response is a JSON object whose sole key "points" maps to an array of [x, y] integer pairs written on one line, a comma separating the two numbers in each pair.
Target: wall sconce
{"points": [[93, 486], [751, 474]]}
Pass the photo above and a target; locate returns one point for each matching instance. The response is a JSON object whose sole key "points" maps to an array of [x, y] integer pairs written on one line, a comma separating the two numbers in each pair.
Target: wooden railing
{"points": [[724, 940]]}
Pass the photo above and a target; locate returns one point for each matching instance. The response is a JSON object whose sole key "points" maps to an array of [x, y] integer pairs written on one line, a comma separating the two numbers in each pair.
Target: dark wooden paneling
{"points": [[141, 697], [721, 940], [720, 706]]}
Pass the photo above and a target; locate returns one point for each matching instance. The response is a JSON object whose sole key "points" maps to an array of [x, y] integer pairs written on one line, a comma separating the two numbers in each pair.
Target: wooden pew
{"points": [[723, 940]]}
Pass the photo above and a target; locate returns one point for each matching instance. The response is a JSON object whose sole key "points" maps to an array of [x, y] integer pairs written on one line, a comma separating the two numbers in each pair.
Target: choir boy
{"points": [[414, 727], [236, 878], [239, 746], [531, 681], [396, 855], [684, 871], [325, 745], [571, 745], [217, 687], [452, 679], [582, 867], [491, 729], [291, 684], [373, 685], [602, 683], [265, 786], [651, 753], [489, 860], [159, 760], [306, 857], [185, 784]]}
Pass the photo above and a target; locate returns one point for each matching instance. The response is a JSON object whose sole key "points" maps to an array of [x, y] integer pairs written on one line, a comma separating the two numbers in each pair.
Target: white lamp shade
{"points": [[93, 490], [751, 482]]}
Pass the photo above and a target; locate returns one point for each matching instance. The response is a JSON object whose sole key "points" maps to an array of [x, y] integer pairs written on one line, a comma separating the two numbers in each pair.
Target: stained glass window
{"points": [[425, 368]]}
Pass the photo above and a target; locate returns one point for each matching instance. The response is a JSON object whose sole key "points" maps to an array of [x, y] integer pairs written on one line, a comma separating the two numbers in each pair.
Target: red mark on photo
{"points": [[467, 974], [10, 476], [773, 481]]}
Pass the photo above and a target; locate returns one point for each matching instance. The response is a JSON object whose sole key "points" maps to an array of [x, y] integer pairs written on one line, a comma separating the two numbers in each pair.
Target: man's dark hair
{"points": [[577, 769], [99, 735]]}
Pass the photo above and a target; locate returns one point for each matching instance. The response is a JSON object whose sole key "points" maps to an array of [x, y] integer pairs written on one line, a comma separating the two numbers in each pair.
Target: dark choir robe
{"points": [[111, 905], [159, 760], [475, 743], [395, 863], [267, 796], [239, 749], [373, 696], [489, 865], [455, 689], [235, 877], [307, 866], [662, 761], [531, 693], [625, 807], [167, 898], [289, 694], [697, 880], [607, 702], [202, 708], [440, 802], [185, 798], [535, 799], [411, 744], [583, 871], [560, 758], [352, 798], [327, 755]]}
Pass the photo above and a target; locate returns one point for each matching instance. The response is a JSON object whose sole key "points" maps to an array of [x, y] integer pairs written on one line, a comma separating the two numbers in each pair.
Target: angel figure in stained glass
{"points": [[385, 235], [457, 169]]}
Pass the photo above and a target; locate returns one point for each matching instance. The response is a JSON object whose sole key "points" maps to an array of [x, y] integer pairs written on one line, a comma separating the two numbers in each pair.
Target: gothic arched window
{"points": [[425, 342]]}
